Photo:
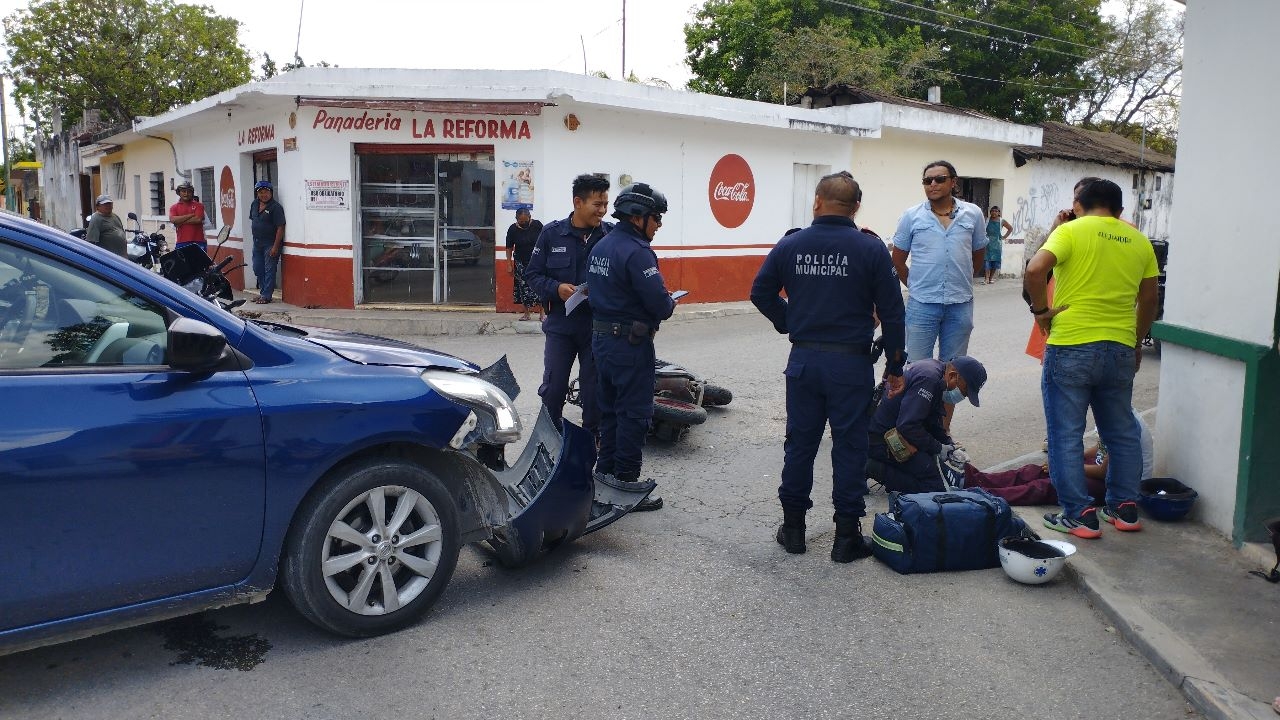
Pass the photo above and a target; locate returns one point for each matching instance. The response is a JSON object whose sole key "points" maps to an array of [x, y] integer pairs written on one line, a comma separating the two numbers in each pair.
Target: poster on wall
{"points": [[517, 185], [328, 194]]}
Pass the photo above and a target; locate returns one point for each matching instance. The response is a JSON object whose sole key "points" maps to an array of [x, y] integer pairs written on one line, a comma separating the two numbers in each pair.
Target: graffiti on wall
{"points": [[1035, 209]]}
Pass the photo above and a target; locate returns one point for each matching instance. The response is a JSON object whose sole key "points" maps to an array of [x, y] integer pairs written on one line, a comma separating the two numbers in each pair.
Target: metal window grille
{"points": [[157, 193], [117, 182], [204, 188]]}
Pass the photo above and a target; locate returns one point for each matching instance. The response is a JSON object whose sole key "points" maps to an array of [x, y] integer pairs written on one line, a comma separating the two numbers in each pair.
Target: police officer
{"points": [[907, 460], [629, 299], [556, 269], [835, 278]]}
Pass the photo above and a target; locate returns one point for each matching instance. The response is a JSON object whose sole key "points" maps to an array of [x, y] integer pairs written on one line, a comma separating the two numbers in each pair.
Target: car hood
{"points": [[373, 350]]}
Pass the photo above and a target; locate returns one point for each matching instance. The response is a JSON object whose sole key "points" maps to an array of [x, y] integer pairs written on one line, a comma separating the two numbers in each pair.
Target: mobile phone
{"points": [[679, 294]]}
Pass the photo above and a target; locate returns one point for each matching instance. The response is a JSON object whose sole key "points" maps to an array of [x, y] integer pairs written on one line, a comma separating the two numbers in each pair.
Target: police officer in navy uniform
{"points": [[630, 300], [918, 416], [835, 278], [556, 269]]}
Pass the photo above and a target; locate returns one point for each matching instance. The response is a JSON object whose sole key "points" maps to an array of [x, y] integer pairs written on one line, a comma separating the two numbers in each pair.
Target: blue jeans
{"points": [[264, 266], [947, 326], [1096, 375]]}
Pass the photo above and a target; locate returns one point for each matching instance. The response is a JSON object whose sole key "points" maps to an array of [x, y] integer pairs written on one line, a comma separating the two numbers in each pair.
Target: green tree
{"points": [[1138, 80], [125, 58], [1023, 62], [815, 57], [269, 68]]}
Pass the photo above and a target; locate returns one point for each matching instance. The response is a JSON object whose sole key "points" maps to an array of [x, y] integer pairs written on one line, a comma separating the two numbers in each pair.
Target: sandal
{"points": [[262, 300]]}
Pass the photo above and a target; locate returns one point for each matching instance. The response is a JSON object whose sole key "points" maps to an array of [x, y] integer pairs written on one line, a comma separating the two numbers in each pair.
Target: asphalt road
{"points": [[690, 612]]}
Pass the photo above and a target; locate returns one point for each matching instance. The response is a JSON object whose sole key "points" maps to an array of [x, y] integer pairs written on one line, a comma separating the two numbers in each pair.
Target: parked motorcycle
{"points": [[192, 268], [1162, 258], [680, 399], [143, 248]]}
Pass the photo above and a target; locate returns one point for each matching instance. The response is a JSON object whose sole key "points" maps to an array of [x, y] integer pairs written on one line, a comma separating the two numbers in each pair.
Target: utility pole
{"points": [[624, 40], [4, 138]]}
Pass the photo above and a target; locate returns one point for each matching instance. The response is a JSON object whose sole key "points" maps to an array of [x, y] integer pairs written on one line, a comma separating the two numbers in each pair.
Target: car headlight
{"points": [[499, 422]]}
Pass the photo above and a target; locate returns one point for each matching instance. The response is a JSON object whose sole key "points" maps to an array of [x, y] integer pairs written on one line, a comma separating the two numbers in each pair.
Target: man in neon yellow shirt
{"points": [[1102, 267]]}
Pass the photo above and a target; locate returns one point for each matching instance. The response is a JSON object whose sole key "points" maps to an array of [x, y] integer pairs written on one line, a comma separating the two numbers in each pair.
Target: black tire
{"points": [[678, 412], [714, 395], [348, 496]]}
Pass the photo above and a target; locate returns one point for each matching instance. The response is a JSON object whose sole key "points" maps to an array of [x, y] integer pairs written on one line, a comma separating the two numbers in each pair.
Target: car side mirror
{"points": [[195, 346]]}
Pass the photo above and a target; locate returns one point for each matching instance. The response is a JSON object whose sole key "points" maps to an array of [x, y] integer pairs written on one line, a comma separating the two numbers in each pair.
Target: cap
{"points": [[103, 200], [263, 185], [975, 376]]}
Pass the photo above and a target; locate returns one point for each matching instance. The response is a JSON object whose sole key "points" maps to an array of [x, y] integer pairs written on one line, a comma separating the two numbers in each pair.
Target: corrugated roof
{"points": [[844, 94], [1067, 142]]}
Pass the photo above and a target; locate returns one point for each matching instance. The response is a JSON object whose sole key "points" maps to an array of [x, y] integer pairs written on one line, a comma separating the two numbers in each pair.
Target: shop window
{"points": [[157, 194]]}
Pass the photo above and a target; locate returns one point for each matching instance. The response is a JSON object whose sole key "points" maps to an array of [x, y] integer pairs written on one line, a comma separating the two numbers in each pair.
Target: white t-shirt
{"points": [[1148, 449]]}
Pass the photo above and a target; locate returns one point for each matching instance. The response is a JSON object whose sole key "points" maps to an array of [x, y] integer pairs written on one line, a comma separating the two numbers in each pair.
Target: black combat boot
{"points": [[791, 533], [849, 544]]}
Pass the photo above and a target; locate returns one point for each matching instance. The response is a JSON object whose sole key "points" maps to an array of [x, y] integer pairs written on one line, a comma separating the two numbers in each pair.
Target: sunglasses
{"points": [[934, 180], [657, 218]]}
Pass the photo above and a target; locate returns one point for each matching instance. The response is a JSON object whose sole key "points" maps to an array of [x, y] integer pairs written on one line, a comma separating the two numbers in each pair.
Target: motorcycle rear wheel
{"points": [[678, 412]]}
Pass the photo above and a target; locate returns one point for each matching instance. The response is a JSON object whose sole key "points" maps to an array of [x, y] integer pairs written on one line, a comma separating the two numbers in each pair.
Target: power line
{"points": [[1000, 27], [1023, 45]]}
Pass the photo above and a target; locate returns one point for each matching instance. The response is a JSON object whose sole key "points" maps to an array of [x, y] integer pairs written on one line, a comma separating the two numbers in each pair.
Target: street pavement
{"points": [[694, 611]]}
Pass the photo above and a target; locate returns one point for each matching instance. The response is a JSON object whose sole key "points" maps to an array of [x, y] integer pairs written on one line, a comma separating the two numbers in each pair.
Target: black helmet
{"points": [[638, 199]]}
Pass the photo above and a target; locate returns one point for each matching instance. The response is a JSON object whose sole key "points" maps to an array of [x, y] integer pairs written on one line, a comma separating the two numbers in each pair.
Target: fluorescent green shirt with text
{"points": [[1101, 262]]}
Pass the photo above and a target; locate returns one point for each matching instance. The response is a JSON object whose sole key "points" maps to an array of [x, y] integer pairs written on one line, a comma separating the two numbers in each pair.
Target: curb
{"points": [[1204, 687]]}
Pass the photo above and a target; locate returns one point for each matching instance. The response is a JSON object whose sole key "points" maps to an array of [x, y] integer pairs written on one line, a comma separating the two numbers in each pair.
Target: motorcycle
{"points": [[143, 248], [680, 400], [1162, 259], [191, 267]]}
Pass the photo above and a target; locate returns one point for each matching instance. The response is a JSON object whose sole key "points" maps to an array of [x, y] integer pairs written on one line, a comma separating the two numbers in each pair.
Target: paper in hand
{"points": [[576, 299]]}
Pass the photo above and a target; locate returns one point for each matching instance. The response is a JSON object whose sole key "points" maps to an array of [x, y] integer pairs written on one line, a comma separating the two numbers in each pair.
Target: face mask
{"points": [[952, 397]]}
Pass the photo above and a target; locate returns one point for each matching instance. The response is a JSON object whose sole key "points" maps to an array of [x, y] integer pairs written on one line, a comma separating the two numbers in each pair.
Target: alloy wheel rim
{"points": [[381, 550]]}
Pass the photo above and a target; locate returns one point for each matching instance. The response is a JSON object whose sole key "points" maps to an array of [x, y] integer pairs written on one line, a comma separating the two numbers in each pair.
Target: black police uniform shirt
{"points": [[834, 276], [560, 256], [623, 279], [918, 410]]}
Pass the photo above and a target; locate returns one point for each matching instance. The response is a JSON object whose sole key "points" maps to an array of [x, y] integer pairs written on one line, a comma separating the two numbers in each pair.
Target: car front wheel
{"points": [[372, 550]]}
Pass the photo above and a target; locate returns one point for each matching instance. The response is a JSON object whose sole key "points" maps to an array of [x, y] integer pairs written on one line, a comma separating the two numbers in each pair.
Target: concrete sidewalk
{"points": [[1183, 597], [1178, 592], [416, 320]]}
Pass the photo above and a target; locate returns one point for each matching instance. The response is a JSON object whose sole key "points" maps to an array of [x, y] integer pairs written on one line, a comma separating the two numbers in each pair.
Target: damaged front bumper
{"points": [[551, 495]]}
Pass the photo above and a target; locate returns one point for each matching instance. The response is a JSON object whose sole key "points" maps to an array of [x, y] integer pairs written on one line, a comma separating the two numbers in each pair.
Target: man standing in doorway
{"points": [[187, 216], [266, 220], [630, 300], [1103, 267], [946, 239], [837, 280], [557, 266], [105, 229], [521, 237]]}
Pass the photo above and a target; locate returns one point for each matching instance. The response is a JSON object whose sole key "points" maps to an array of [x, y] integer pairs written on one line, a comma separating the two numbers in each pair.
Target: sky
{"points": [[489, 34]]}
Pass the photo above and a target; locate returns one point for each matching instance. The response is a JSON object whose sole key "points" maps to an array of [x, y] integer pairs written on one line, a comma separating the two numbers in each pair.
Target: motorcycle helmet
{"points": [[639, 199], [185, 185], [1165, 498], [1031, 562], [263, 185]]}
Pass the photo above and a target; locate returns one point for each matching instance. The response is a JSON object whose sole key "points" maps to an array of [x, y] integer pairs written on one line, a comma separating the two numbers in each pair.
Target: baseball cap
{"points": [[975, 376], [102, 200]]}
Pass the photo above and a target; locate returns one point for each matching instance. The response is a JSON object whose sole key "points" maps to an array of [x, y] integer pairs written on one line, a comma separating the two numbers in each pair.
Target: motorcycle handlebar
{"points": [[223, 264]]}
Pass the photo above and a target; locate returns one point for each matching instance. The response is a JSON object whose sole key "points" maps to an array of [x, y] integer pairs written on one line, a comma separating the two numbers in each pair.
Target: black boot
{"points": [[791, 533], [849, 544]]}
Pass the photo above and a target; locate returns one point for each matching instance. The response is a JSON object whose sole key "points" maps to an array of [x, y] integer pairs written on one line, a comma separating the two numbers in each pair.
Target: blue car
{"points": [[160, 456]]}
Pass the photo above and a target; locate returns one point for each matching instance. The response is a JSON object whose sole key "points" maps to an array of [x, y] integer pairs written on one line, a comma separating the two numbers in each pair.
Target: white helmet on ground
{"points": [[1031, 562]]}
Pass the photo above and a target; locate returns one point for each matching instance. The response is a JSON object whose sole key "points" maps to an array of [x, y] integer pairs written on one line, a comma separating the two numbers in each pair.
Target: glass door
{"points": [[426, 228]]}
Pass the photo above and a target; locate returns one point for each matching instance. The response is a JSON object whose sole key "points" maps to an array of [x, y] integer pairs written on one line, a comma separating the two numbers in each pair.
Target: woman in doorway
{"points": [[995, 222]]}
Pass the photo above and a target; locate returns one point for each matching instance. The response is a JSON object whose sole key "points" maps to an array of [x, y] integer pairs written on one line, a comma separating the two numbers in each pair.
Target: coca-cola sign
{"points": [[731, 191]]}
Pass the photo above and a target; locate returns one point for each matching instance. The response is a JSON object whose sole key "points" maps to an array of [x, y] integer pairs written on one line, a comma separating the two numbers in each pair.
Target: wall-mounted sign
{"points": [[436, 127], [328, 194], [256, 134], [517, 187], [227, 196], [731, 191]]}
